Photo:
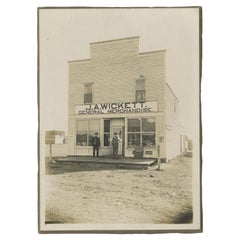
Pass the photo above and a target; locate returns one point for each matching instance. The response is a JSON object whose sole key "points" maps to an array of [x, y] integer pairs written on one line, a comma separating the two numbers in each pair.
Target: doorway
{"points": [[120, 131]]}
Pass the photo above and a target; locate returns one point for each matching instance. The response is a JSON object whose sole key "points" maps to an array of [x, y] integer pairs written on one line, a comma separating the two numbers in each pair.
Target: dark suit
{"points": [[115, 143], [95, 144]]}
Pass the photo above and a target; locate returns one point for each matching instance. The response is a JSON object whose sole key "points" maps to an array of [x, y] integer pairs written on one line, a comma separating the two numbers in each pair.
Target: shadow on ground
{"points": [[60, 168], [184, 216]]}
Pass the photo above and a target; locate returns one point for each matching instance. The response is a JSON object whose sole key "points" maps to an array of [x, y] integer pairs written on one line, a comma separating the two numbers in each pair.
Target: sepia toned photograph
{"points": [[119, 120]]}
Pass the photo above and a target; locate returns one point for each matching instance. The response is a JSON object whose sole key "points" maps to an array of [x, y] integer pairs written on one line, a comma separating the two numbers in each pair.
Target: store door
{"points": [[120, 132]]}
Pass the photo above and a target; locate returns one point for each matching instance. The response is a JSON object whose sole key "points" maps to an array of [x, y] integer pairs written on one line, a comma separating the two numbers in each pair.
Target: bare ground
{"points": [[121, 196]]}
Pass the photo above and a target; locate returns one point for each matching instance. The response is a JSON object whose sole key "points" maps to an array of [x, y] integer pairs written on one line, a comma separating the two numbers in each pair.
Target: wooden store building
{"points": [[121, 90]]}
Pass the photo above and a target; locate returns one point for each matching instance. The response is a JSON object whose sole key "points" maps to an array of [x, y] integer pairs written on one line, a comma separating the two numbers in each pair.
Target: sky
{"points": [[65, 34]]}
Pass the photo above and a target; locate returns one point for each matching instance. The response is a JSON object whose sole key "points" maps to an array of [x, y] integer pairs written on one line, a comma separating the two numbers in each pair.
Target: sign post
{"points": [[159, 159], [50, 153]]}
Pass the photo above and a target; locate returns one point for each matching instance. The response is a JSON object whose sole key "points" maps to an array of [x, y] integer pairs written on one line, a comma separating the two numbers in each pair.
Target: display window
{"points": [[106, 132], [148, 139], [85, 131], [141, 132], [134, 139], [134, 125]]}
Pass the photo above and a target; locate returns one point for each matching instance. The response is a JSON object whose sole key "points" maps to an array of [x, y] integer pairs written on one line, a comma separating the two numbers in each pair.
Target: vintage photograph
{"points": [[119, 119]]}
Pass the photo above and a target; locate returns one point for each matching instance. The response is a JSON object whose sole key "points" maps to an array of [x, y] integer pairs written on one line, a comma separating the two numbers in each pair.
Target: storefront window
{"points": [[85, 131], [141, 132], [134, 125], [148, 125], [90, 137], [133, 139], [93, 125], [107, 126], [148, 139], [81, 126], [81, 139], [106, 139], [106, 132]]}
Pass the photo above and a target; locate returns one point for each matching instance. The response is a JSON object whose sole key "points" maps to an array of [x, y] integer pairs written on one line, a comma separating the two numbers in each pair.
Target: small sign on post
{"points": [[53, 137]]}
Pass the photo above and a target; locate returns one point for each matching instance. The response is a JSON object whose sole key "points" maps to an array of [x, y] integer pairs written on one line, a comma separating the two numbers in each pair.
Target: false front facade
{"points": [[118, 90]]}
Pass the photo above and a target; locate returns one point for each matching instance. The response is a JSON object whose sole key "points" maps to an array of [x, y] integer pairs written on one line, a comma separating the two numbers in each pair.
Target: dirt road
{"points": [[122, 196]]}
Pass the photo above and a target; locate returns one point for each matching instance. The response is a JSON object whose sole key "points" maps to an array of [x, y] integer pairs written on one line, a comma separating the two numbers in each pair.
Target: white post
{"points": [[50, 154], [159, 159]]}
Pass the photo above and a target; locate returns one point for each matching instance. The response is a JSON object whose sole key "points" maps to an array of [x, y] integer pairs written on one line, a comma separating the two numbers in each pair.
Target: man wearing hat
{"points": [[115, 143], [96, 144]]}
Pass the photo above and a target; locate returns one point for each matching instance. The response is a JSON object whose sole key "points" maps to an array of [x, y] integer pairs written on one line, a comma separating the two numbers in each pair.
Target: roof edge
{"points": [[114, 40], [172, 91], [80, 60], [152, 52]]}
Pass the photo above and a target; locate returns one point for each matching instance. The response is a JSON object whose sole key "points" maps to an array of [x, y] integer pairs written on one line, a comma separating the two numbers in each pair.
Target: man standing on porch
{"points": [[115, 142], [95, 144]]}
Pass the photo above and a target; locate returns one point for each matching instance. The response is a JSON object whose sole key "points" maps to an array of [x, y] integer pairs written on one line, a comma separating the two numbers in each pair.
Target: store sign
{"points": [[121, 107]]}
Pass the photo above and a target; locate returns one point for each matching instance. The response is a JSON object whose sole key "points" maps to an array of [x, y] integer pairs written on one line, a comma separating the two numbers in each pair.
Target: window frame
{"points": [[140, 89], [88, 93], [106, 133], [87, 132], [140, 95], [141, 132], [86, 97]]}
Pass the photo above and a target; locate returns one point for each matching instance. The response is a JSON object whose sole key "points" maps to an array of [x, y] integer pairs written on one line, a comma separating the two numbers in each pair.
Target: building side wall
{"points": [[152, 66], [173, 131], [161, 136]]}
